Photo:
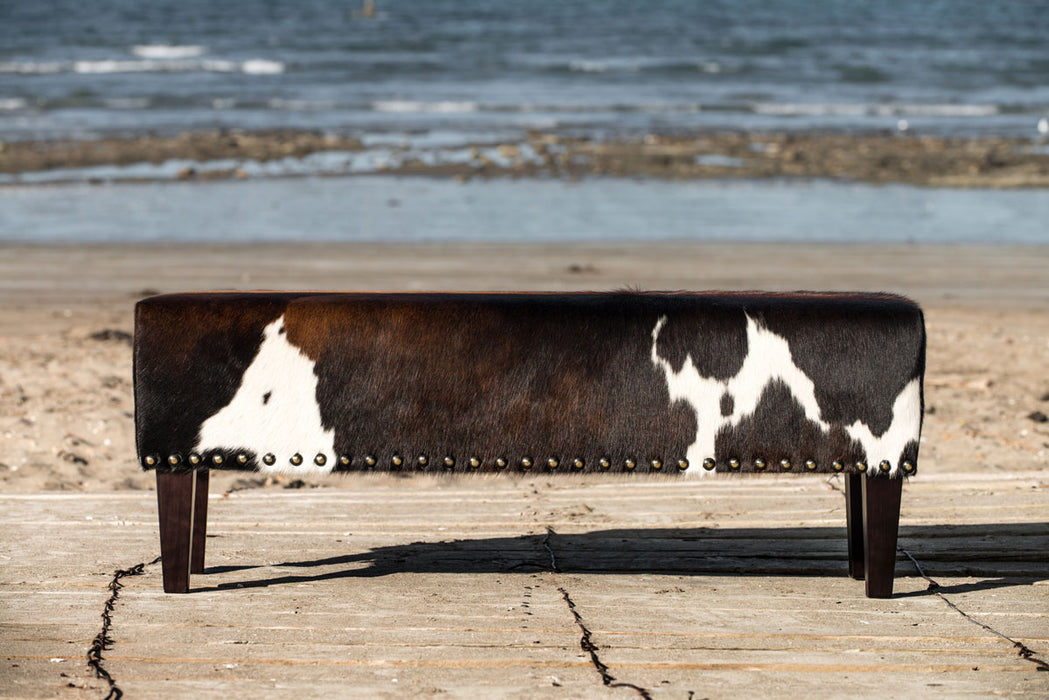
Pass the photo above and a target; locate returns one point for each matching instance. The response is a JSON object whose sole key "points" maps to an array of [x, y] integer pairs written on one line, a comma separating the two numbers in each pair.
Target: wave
{"points": [[636, 65], [444, 106], [167, 51], [34, 68], [875, 110], [262, 66], [12, 104], [255, 66]]}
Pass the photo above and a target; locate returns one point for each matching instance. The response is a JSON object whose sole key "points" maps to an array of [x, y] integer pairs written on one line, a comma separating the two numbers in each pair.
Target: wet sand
{"points": [[66, 404], [883, 157]]}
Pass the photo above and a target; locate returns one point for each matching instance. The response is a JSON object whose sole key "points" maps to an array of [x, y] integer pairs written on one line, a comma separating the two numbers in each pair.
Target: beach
{"points": [[66, 325]]}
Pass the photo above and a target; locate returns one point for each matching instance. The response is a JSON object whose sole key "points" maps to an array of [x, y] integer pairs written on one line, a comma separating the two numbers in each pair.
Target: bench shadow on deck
{"points": [[1004, 554]]}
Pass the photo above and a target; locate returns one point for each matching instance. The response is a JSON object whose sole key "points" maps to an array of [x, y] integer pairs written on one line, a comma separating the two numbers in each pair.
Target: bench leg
{"points": [[881, 523], [176, 501], [854, 523], [200, 521]]}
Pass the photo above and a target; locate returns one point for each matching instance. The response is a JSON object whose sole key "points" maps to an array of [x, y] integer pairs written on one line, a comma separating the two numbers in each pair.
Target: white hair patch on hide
{"points": [[769, 359], [274, 411]]}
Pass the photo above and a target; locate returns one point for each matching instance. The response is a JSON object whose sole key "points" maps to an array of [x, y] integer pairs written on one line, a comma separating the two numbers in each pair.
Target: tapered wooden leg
{"points": [[854, 523], [175, 496], [200, 521], [881, 523]]}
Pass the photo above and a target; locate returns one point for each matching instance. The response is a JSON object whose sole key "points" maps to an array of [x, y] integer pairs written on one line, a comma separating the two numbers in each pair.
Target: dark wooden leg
{"points": [[175, 494], [200, 521], [881, 523], [854, 523]]}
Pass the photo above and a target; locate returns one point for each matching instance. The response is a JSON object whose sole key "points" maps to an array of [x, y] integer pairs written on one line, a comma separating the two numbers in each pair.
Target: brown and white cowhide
{"points": [[311, 382]]}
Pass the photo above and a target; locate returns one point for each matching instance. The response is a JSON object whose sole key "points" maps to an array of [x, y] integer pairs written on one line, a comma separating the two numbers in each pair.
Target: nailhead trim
{"points": [[552, 462]]}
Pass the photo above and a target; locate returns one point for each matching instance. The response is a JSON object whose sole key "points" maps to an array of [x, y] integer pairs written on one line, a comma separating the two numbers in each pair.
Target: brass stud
{"points": [[526, 462], [150, 460], [194, 458], [320, 460], [370, 460], [217, 459], [908, 467], [475, 463], [785, 465], [501, 462], [553, 462], [885, 466], [449, 462], [861, 466], [838, 465], [709, 464], [397, 460], [269, 459], [759, 464], [811, 465], [423, 460], [296, 459], [578, 463], [173, 460], [604, 463], [733, 463], [682, 464], [657, 464], [629, 464], [242, 458], [345, 460]]}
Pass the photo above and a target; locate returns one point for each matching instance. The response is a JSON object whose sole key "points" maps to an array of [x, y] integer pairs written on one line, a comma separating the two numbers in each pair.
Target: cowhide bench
{"points": [[674, 384]]}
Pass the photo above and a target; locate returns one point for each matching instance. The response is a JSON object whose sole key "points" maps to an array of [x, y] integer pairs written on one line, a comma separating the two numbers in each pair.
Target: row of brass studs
{"points": [[527, 462], [423, 461], [810, 464]]}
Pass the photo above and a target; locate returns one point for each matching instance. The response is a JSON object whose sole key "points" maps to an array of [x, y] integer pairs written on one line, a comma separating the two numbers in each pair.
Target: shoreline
{"points": [[876, 158]]}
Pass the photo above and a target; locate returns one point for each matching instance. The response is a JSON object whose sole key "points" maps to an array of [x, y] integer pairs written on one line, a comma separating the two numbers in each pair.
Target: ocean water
{"points": [[404, 210], [87, 68]]}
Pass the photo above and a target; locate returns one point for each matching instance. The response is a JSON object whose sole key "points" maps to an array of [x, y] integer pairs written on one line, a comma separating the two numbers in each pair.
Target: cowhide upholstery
{"points": [[671, 383]]}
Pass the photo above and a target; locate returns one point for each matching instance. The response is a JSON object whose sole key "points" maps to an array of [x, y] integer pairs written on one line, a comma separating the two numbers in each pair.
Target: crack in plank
{"points": [[1022, 649], [586, 642], [102, 641]]}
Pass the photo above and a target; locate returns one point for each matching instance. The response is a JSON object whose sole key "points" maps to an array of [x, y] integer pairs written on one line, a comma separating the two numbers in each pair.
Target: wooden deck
{"points": [[486, 587]]}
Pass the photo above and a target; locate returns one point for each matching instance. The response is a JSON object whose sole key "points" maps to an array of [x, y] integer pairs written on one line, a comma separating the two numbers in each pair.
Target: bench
{"points": [[674, 385]]}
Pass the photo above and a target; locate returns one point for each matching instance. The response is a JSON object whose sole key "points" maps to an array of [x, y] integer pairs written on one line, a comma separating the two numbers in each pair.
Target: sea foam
{"points": [[166, 51], [416, 106]]}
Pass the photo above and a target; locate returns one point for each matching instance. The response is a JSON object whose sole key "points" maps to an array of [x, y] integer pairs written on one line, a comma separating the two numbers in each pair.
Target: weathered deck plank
{"points": [[418, 587]]}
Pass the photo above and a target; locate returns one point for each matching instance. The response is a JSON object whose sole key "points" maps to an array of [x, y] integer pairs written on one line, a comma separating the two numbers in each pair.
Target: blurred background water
{"points": [[445, 73], [85, 68]]}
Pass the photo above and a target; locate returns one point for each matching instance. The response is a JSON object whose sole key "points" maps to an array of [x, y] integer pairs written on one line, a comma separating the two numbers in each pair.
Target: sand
{"points": [[66, 403]]}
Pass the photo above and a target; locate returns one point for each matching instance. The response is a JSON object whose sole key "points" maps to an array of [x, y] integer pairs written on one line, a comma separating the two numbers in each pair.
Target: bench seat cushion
{"points": [[671, 383]]}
